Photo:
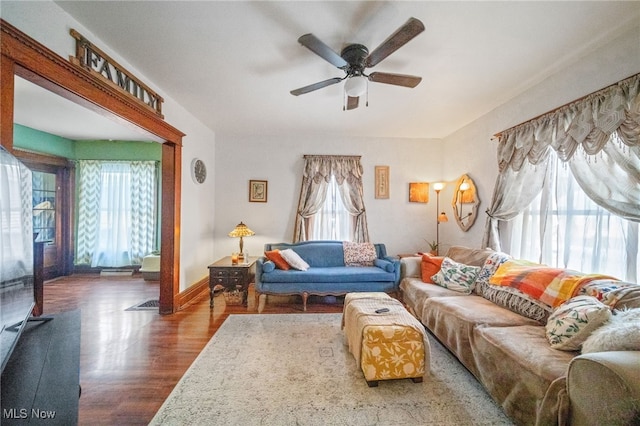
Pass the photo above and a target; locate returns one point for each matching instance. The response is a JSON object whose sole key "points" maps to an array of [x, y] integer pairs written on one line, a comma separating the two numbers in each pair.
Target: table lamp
{"points": [[241, 230]]}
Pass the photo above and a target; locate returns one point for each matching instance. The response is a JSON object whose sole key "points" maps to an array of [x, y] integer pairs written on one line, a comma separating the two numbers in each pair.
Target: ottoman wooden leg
{"points": [[372, 383], [417, 379]]}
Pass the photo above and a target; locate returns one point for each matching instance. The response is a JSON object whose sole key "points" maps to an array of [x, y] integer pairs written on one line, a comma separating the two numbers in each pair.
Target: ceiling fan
{"points": [[354, 58]]}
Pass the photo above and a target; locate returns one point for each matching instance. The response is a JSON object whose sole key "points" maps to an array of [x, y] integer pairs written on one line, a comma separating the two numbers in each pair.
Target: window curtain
{"points": [[598, 136], [564, 228], [116, 212], [16, 229], [317, 173]]}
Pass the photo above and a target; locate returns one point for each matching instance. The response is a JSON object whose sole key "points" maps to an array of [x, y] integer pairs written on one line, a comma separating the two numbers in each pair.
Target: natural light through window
{"points": [[564, 228], [333, 221]]}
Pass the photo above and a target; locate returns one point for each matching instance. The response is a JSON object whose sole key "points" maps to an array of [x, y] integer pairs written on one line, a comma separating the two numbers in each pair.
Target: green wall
{"points": [[118, 150], [46, 143]]}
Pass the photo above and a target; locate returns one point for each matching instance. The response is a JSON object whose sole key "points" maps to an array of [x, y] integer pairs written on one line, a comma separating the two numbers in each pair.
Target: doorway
{"points": [[25, 57]]}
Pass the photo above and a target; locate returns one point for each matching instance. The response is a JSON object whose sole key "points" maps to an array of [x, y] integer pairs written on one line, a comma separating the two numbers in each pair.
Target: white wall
{"points": [[470, 149], [48, 24], [401, 225]]}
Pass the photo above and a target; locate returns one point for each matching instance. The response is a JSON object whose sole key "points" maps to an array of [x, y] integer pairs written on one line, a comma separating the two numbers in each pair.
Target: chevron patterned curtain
{"points": [[117, 212]]}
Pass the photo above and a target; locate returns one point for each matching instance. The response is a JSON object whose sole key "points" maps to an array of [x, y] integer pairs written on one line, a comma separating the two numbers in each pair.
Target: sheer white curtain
{"points": [[112, 247], [16, 230], [117, 209], [332, 221], [563, 227]]}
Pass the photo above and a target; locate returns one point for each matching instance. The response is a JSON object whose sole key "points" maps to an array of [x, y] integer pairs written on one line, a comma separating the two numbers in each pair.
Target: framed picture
{"points": [[419, 192], [258, 191], [382, 181]]}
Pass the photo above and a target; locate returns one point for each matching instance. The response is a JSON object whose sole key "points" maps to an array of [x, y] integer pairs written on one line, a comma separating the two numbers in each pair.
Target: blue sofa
{"points": [[327, 273]]}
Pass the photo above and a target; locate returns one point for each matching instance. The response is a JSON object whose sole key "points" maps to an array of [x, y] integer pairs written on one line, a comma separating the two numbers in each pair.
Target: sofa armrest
{"points": [[259, 270], [604, 388], [396, 267]]}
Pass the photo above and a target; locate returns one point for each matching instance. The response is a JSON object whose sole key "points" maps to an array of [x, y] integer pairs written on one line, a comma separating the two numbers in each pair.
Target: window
{"points": [[44, 206], [332, 222], [117, 212], [564, 228], [331, 204]]}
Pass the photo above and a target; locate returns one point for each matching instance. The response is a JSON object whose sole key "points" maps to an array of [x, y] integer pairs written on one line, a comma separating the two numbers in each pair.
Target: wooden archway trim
{"points": [[27, 58]]}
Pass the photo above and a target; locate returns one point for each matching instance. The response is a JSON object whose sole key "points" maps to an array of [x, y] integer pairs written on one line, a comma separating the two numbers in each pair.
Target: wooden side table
{"points": [[231, 277]]}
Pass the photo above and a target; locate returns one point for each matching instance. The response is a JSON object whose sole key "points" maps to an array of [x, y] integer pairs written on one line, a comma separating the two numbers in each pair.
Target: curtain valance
{"points": [[587, 124], [322, 167]]}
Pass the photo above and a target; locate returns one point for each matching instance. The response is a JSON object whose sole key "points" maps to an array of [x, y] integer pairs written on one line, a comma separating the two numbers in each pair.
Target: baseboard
{"points": [[192, 294]]}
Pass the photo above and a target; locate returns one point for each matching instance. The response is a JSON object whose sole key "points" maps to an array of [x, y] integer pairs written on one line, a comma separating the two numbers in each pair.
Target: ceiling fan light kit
{"points": [[356, 86], [353, 60]]}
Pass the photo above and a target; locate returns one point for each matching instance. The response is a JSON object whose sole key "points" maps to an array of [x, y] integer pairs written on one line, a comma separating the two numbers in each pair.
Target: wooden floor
{"points": [[131, 360]]}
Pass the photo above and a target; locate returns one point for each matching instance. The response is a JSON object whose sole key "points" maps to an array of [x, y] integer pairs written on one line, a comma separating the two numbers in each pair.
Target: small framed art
{"points": [[382, 181], [419, 192], [258, 191]]}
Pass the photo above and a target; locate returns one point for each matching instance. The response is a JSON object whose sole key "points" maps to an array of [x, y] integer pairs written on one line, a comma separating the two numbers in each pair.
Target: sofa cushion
{"points": [[327, 275], [522, 372], [456, 276], [452, 320], [415, 293], [429, 266], [294, 260], [468, 256], [410, 266], [358, 254], [572, 322], [276, 258]]}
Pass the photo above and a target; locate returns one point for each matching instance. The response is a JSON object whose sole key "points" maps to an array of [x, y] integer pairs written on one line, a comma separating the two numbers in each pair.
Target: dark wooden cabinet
{"points": [[227, 276]]}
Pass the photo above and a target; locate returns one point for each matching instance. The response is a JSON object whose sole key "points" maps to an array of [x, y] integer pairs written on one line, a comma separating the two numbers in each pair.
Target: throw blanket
{"points": [[361, 312], [552, 286]]}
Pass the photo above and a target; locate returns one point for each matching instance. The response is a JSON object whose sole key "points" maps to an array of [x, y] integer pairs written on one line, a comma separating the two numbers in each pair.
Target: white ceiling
{"points": [[232, 64]]}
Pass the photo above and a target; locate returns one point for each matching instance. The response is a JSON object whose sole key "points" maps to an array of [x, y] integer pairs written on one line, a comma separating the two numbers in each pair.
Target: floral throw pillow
{"points": [[456, 276], [359, 254], [572, 323]]}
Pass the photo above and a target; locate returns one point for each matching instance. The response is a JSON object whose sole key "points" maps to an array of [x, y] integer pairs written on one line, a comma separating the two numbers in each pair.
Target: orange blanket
{"points": [[551, 286]]}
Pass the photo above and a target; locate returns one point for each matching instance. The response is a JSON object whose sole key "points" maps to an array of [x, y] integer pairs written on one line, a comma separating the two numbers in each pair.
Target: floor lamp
{"points": [[440, 216]]}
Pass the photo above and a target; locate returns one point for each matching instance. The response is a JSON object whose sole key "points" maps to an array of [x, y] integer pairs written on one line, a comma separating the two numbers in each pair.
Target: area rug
{"points": [[294, 369]]}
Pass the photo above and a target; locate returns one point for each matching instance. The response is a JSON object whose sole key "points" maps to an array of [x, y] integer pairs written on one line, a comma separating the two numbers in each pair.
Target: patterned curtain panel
{"points": [[599, 138], [117, 212], [143, 209], [89, 186]]}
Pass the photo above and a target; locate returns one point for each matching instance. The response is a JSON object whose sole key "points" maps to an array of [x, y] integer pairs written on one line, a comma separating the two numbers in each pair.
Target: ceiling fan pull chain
{"points": [[367, 95]]}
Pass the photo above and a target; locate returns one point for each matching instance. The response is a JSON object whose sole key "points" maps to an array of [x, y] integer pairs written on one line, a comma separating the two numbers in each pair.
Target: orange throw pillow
{"points": [[276, 257], [430, 266]]}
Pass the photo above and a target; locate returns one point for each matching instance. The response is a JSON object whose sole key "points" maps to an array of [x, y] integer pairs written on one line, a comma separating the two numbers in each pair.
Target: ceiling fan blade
{"points": [[402, 36], [352, 102], [316, 86], [314, 44], [395, 79]]}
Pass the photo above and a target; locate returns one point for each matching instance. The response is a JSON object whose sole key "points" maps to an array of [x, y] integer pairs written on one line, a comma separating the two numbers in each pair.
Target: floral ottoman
{"points": [[386, 341]]}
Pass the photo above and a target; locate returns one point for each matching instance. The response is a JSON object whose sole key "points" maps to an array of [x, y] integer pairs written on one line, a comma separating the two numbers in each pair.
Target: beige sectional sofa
{"points": [[510, 355]]}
